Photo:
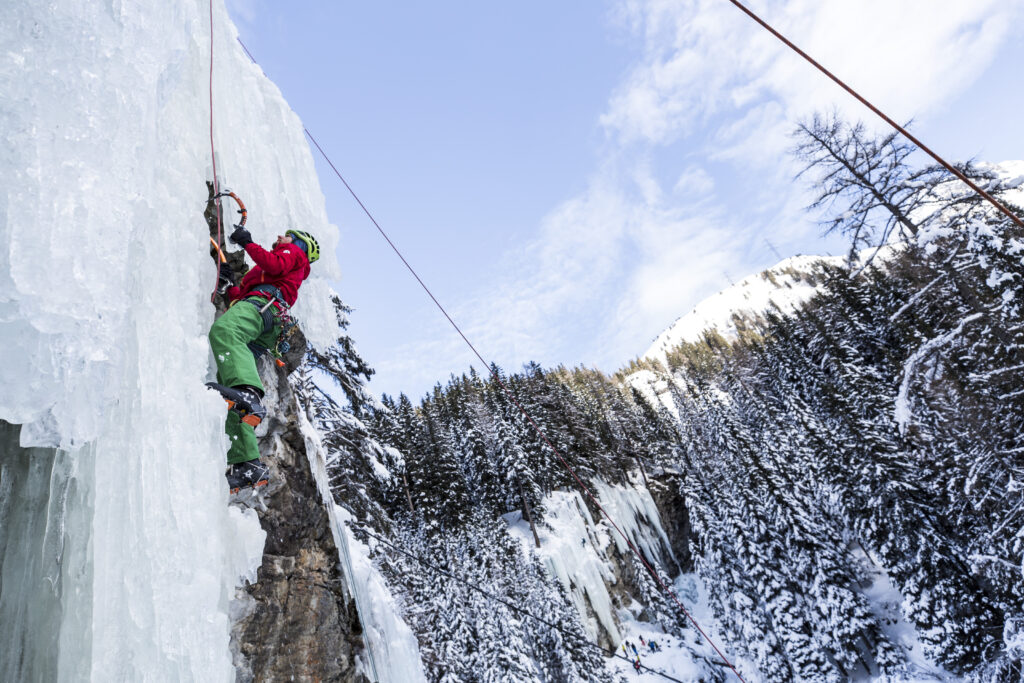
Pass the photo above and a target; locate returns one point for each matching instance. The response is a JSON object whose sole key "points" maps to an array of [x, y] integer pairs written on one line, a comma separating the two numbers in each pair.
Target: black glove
{"points": [[227, 278], [241, 237]]}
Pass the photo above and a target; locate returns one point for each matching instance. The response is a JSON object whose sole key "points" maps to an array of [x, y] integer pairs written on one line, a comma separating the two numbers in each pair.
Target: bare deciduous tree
{"points": [[865, 185]]}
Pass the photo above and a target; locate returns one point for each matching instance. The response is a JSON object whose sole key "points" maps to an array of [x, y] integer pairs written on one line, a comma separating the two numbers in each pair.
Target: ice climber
{"points": [[253, 319]]}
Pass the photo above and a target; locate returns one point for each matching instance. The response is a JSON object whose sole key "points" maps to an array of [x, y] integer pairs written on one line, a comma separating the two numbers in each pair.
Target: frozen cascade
{"points": [[113, 497], [575, 545], [636, 513], [40, 491], [571, 547], [392, 652], [396, 651]]}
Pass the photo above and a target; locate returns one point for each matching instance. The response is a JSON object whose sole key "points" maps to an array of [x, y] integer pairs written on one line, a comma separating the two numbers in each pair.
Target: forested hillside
{"points": [[875, 432]]}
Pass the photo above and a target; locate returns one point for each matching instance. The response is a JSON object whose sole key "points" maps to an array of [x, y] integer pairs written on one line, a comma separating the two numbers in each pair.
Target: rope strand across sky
{"points": [[570, 179]]}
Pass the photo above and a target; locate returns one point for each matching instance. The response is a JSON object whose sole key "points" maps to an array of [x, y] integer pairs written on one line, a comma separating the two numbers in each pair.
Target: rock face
{"points": [[298, 621], [675, 518]]}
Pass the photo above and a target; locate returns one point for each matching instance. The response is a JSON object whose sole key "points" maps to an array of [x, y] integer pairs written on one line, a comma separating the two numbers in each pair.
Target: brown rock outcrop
{"points": [[298, 622]]}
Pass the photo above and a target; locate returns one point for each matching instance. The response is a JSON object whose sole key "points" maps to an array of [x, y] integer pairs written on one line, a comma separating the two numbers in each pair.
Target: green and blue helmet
{"points": [[306, 242]]}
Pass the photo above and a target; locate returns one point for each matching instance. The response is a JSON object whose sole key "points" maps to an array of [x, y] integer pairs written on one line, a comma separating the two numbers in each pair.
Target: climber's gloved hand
{"points": [[241, 237], [227, 277]]}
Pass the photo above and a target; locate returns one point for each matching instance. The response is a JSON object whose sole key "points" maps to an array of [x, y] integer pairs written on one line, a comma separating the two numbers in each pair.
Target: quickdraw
{"points": [[287, 322], [288, 325]]}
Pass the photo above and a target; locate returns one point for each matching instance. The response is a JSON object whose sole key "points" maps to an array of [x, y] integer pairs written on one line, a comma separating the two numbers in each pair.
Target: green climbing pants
{"points": [[236, 366]]}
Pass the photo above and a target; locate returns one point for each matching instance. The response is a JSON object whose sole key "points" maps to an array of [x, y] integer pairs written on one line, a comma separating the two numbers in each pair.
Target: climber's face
{"points": [[282, 239]]}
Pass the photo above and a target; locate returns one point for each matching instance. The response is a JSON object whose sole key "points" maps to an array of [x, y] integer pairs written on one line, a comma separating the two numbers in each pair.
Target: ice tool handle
{"points": [[241, 207]]}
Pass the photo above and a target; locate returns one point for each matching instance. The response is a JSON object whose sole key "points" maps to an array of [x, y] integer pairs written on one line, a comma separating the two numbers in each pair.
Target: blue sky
{"points": [[570, 177]]}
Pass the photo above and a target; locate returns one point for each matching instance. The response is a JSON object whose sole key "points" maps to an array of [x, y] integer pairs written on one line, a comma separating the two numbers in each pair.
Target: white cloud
{"points": [[694, 182], [613, 266], [610, 268], [704, 58]]}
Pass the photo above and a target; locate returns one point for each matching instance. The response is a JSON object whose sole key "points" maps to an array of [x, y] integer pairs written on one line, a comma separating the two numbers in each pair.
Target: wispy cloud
{"points": [[694, 174], [649, 237], [703, 59]]}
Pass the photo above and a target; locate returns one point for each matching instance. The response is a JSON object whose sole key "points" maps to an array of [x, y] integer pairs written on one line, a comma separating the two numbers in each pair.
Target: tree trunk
{"points": [[408, 496], [640, 463], [527, 513]]}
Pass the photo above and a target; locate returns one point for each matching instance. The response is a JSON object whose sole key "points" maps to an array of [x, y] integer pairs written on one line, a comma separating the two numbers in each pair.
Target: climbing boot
{"points": [[243, 400], [251, 473]]}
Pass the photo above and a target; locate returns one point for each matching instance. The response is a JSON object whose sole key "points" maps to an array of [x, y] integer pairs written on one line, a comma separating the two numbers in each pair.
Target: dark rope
{"points": [[508, 392], [924, 148]]}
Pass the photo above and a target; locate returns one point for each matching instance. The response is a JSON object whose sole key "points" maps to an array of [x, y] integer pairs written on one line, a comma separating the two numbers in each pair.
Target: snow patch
{"points": [[689, 658]]}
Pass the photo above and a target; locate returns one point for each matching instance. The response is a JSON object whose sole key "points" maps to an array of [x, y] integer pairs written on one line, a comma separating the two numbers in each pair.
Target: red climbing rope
{"points": [[213, 158], [507, 392], [924, 148]]}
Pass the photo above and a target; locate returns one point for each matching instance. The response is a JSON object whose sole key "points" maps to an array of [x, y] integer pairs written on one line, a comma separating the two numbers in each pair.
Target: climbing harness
{"points": [[273, 309], [285, 319]]}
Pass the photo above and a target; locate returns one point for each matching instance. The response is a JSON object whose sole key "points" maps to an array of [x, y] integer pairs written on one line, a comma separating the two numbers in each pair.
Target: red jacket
{"points": [[285, 267]]}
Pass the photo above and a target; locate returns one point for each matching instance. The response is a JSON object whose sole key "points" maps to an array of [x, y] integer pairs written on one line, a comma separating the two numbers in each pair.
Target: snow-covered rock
{"points": [[783, 287]]}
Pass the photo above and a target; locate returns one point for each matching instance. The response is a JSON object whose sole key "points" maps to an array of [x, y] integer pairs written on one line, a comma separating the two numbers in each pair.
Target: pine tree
{"points": [[657, 604], [441, 489]]}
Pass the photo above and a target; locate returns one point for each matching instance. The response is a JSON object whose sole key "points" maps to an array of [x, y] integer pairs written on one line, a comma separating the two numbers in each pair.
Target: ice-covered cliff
{"points": [[120, 554]]}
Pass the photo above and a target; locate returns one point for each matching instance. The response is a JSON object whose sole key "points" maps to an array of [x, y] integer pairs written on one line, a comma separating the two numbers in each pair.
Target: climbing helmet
{"points": [[312, 248]]}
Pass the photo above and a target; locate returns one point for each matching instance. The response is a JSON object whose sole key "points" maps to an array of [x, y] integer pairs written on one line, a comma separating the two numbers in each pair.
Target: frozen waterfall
{"points": [[119, 551]]}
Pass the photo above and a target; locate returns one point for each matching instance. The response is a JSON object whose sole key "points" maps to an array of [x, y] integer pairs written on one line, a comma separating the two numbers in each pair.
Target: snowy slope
{"points": [[105, 281], [789, 283], [783, 287]]}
